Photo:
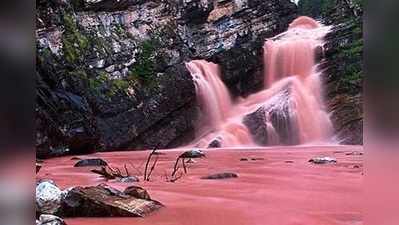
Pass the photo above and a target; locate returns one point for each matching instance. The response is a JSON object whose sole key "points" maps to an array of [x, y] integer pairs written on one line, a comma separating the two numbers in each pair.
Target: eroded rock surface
{"points": [[105, 201], [275, 122]]}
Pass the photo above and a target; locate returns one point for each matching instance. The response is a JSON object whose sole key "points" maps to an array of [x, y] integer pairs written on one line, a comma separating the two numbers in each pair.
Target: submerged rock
{"points": [[46, 219], [275, 121], [91, 162], [137, 192], [105, 201], [48, 197], [194, 153], [322, 160], [215, 143], [225, 175], [129, 179]]}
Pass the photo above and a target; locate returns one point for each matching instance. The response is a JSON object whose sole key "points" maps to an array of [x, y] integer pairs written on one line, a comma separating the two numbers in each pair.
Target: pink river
{"points": [[276, 185]]}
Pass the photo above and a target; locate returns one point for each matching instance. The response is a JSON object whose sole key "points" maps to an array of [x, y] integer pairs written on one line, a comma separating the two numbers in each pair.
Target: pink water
{"points": [[292, 86]]}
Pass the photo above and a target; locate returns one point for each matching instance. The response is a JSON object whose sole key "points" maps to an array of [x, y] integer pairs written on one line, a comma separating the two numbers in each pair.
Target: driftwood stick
{"points": [[148, 161], [152, 168], [127, 172], [184, 165], [175, 168]]}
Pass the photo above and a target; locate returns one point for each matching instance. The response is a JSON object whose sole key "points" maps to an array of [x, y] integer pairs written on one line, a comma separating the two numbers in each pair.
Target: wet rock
{"points": [[137, 192], [46, 219], [194, 153], [354, 153], [257, 159], [48, 197], [217, 176], [319, 54], [91, 162], [129, 179], [323, 160], [215, 143], [105, 201], [256, 123], [275, 122]]}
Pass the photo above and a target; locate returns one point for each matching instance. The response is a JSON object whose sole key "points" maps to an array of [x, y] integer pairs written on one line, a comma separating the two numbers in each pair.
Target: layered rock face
{"points": [[111, 74], [343, 71]]}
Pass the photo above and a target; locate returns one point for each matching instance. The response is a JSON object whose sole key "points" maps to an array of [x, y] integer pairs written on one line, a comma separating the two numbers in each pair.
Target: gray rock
{"points": [[194, 153], [48, 197], [323, 160], [130, 179], [218, 176], [277, 113], [46, 219], [215, 143], [91, 162]]}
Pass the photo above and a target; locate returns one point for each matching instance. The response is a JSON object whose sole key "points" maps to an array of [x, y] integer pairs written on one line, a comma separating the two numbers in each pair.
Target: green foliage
{"points": [[144, 67], [75, 44], [315, 8]]}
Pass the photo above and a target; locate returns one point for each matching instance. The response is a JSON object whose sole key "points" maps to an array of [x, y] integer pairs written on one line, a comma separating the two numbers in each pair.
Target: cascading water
{"points": [[289, 110]]}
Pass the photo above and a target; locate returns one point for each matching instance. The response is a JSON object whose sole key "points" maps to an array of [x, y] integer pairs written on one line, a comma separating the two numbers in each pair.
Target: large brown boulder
{"points": [[105, 201]]}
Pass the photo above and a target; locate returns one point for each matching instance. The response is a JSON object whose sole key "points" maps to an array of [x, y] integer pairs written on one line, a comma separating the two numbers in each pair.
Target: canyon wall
{"points": [[111, 75]]}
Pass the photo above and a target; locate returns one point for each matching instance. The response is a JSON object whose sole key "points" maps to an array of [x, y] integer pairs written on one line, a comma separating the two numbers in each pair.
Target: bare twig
{"points": [[152, 168], [127, 172], [110, 173], [147, 162]]}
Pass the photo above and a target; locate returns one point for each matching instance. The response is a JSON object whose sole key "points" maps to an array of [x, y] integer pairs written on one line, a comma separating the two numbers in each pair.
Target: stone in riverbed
{"points": [[137, 192], [46, 219], [48, 197], [105, 201], [323, 160], [193, 153], [217, 176], [91, 162], [129, 179], [215, 143]]}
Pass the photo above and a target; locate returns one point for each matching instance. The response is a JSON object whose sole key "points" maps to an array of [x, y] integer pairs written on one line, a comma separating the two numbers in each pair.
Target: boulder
{"points": [[105, 201], [48, 197], [46, 219], [256, 124], [129, 179], [137, 192], [215, 143], [217, 176], [194, 153], [91, 162], [277, 113], [323, 160]]}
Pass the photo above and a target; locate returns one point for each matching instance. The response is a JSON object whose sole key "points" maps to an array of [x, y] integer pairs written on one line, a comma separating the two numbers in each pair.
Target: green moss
{"points": [[144, 68], [75, 44]]}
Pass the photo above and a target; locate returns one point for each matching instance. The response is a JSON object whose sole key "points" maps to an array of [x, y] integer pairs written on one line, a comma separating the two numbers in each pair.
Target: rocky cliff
{"points": [[344, 70], [111, 75]]}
